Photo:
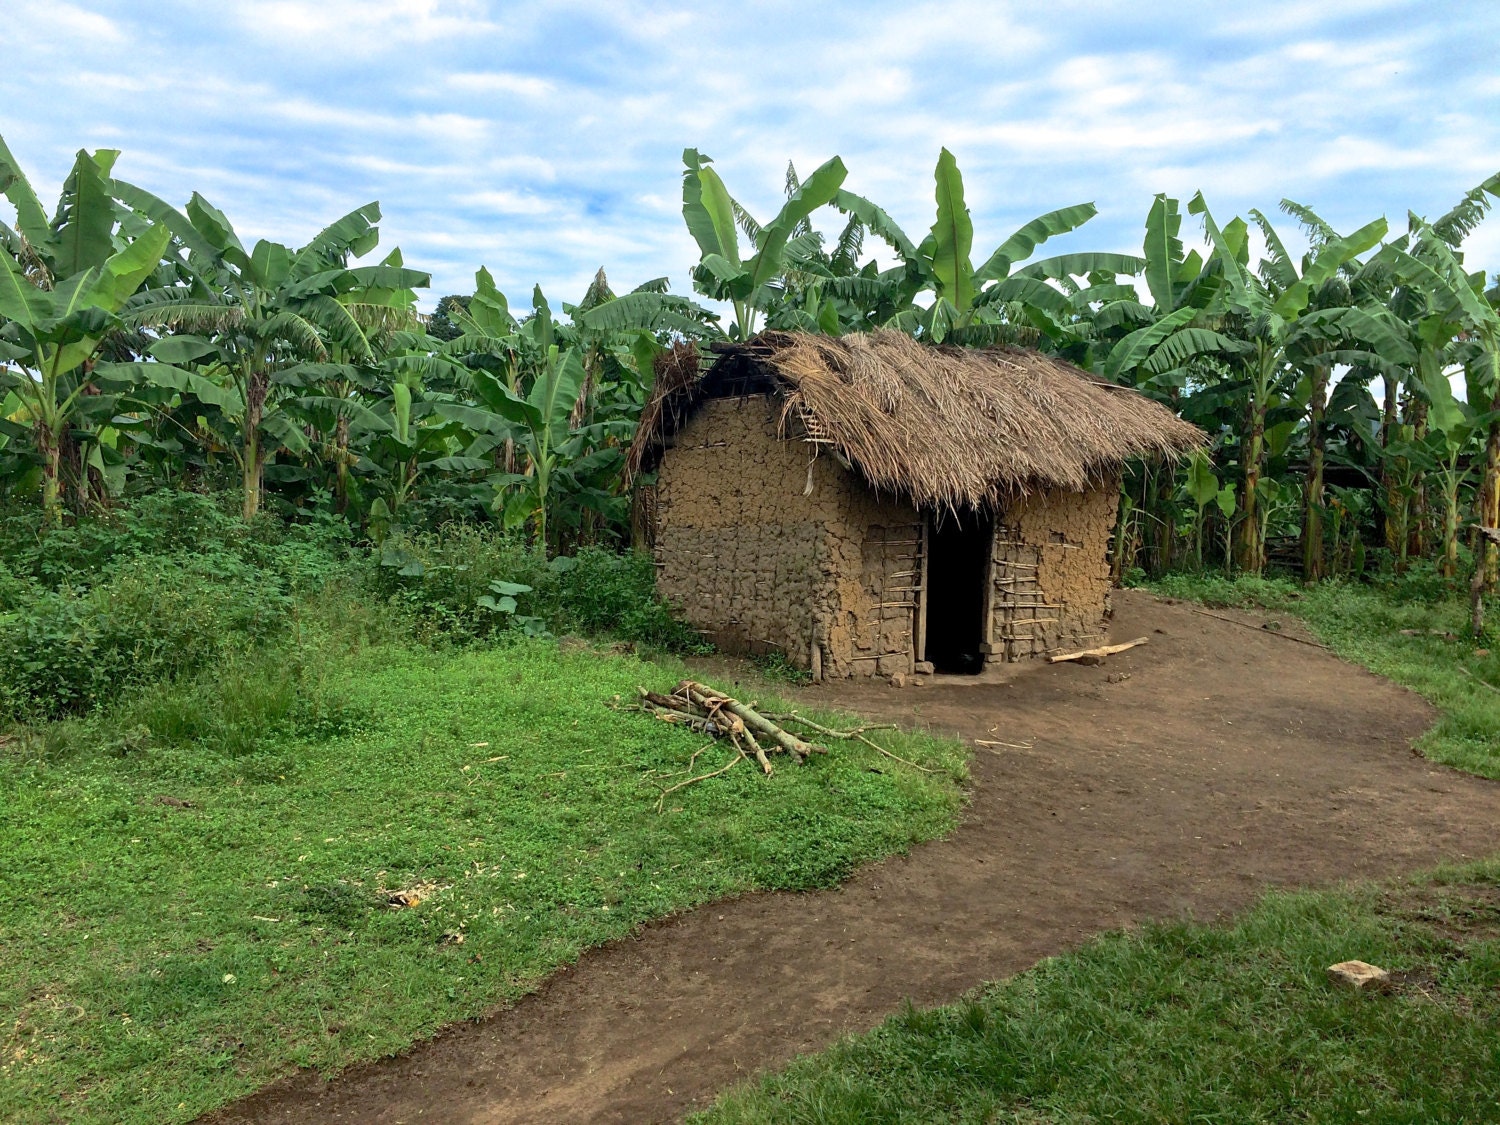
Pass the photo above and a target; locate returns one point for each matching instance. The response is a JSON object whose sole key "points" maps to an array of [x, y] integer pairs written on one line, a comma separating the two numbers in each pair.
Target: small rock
{"points": [[1090, 661], [1163, 632], [1117, 677], [924, 668], [898, 680], [1358, 975]]}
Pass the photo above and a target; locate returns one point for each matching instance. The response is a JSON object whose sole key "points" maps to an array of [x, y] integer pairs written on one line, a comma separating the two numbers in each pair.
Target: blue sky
{"points": [[544, 140]]}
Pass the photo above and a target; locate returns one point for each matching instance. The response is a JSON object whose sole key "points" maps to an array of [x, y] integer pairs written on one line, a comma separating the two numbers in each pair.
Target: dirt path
{"points": [[1229, 761]]}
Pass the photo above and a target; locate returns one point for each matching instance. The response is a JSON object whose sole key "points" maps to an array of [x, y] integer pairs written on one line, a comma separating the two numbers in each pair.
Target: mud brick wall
{"points": [[876, 542], [772, 544], [1050, 580], [738, 546]]}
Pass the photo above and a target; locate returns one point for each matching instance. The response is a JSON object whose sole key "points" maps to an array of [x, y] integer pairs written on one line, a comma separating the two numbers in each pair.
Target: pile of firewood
{"points": [[755, 735]]}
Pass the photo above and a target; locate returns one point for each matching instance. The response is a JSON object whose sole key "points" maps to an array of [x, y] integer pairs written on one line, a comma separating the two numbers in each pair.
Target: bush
{"points": [[599, 591], [450, 581], [68, 650], [440, 580], [173, 584], [173, 524]]}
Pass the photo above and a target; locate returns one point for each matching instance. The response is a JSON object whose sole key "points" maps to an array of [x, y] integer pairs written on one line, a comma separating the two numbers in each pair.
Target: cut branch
{"points": [[1100, 652]]}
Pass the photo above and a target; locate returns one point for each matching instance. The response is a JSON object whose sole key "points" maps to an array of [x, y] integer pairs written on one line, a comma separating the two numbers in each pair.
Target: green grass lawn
{"points": [[1188, 1023], [181, 921], [1412, 634]]}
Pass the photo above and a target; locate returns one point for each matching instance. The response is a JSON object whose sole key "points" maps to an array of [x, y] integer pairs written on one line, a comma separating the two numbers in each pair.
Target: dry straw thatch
{"points": [[943, 426]]}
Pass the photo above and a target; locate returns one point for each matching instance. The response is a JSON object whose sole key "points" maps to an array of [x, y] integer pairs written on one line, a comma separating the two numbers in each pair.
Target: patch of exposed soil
{"points": [[1460, 913], [1229, 761]]}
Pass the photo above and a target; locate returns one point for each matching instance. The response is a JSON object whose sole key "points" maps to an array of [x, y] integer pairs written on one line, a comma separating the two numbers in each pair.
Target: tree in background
{"points": [[63, 283]]}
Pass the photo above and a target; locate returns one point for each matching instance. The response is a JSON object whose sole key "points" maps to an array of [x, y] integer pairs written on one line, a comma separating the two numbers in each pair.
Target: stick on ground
{"points": [[662, 800], [1102, 650], [1258, 629]]}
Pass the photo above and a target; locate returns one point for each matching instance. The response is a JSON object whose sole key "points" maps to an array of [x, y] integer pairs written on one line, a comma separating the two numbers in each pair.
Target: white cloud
{"points": [[362, 26], [499, 82], [508, 203], [54, 21], [544, 139]]}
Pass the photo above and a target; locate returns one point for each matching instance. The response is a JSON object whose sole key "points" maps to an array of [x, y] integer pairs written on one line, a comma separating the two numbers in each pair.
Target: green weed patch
{"points": [[1196, 1023], [417, 837]]}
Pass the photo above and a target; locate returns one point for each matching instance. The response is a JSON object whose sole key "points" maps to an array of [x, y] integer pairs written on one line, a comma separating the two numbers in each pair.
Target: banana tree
{"points": [[416, 444], [614, 340], [1432, 264], [1445, 454], [1156, 342], [751, 284], [540, 427], [242, 318], [976, 305], [1269, 308], [63, 283]]}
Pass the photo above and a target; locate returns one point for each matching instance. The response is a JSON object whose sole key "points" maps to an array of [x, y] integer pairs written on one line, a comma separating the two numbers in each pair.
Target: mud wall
{"points": [[1049, 578], [769, 544], [875, 543], [738, 546]]}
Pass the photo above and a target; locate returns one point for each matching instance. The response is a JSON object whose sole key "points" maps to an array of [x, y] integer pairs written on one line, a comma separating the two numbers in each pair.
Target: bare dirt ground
{"points": [[1229, 761]]}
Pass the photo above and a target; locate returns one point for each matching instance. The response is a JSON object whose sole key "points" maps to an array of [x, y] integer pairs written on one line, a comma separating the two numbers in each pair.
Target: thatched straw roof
{"points": [[943, 426]]}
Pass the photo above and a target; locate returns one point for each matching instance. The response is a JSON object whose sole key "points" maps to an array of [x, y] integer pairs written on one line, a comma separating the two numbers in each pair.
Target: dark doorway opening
{"points": [[958, 563]]}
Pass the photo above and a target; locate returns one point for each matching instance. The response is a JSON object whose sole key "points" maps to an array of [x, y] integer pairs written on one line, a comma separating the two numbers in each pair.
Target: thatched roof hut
{"points": [[872, 505], [943, 426]]}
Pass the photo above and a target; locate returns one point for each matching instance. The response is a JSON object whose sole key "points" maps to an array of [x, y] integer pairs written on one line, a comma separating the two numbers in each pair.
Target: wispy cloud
{"points": [[543, 140]]}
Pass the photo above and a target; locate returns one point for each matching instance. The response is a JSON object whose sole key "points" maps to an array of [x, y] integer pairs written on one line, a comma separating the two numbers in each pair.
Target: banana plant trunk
{"points": [[1448, 566], [1390, 488], [341, 459], [1419, 517], [253, 462], [1313, 556], [77, 458], [1163, 524], [1250, 550], [51, 453], [1489, 501]]}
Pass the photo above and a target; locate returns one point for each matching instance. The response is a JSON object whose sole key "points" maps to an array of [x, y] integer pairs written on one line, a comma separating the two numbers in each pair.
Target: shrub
{"points": [[450, 581], [599, 591], [68, 650], [441, 578], [169, 523]]}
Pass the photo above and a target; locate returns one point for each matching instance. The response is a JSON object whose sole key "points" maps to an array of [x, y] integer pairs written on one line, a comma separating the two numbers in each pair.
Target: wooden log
{"points": [[762, 725], [1101, 651], [760, 754]]}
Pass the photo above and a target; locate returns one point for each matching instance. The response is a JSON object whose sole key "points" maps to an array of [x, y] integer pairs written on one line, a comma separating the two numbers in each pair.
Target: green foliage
{"points": [[602, 593], [166, 586], [451, 583], [189, 916], [302, 372], [66, 651], [1182, 1022]]}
